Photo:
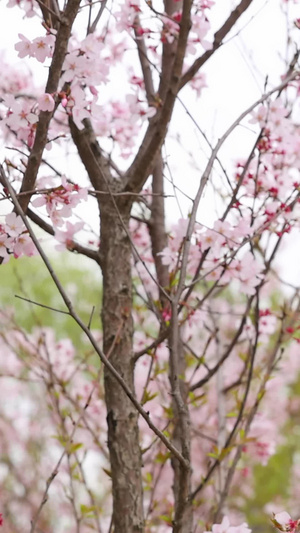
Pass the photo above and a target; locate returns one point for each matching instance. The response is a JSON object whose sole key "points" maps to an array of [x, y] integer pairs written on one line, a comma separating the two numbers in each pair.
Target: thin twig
{"points": [[91, 317], [98, 16], [48, 8], [42, 305], [206, 175], [88, 333], [56, 468]]}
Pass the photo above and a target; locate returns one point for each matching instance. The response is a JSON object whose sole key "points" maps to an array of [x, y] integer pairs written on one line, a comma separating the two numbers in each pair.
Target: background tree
{"points": [[199, 298]]}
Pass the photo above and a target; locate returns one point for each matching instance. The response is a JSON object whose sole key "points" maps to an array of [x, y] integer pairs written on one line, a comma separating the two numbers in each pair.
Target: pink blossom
{"points": [[169, 258], [61, 200], [46, 102], [206, 4], [210, 239], [262, 438], [14, 225], [73, 66], [77, 105], [250, 267], [200, 26], [23, 245], [5, 245], [259, 115], [65, 237], [40, 48], [170, 30], [242, 229], [20, 114], [267, 324], [225, 527], [92, 45], [166, 315], [24, 47], [282, 518], [284, 522], [198, 83]]}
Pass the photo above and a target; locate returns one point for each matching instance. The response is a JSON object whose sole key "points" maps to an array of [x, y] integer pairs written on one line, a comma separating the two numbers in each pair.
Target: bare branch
{"points": [[157, 229], [56, 468], [144, 61], [218, 40], [42, 305], [47, 10], [227, 352], [93, 27]]}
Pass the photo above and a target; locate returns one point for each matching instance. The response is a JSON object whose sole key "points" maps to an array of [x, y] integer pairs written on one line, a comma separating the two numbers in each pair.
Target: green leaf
{"points": [[147, 396], [73, 447], [87, 509]]}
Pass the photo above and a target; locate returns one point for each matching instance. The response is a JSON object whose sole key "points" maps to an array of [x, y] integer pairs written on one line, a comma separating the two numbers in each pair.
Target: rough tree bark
{"points": [[115, 260], [122, 418]]}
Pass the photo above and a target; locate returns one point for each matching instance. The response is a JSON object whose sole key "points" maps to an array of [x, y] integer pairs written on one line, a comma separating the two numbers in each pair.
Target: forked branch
{"points": [[86, 330]]}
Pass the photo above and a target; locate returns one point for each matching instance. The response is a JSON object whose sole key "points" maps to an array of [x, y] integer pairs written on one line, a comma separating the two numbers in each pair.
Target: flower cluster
{"points": [[41, 47], [284, 522], [14, 238], [226, 527], [281, 521], [21, 118], [61, 200], [219, 248]]}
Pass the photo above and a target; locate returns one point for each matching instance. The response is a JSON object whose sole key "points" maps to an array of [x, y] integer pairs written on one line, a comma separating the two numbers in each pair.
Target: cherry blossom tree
{"points": [[172, 399]]}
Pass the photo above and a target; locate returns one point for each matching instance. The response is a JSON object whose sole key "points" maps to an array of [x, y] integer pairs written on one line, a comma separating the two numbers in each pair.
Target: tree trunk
{"points": [[183, 513], [122, 417]]}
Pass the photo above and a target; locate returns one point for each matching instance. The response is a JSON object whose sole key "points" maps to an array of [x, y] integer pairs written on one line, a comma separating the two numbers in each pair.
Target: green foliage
{"points": [[271, 481], [29, 278], [148, 396]]}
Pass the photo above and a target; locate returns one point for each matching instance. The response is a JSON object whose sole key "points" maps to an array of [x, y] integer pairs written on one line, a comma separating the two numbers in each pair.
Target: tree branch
{"points": [[47, 11], [75, 247], [60, 50], [206, 175], [88, 333], [142, 165], [98, 16], [227, 352], [97, 166], [144, 61], [218, 40]]}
